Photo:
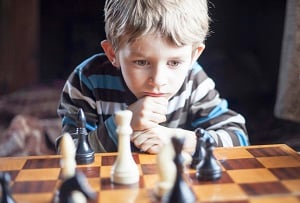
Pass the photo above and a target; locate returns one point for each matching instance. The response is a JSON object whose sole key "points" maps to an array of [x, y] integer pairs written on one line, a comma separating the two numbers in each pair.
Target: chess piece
{"points": [[74, 188], [77, 183], [209, 168], [124, 170], [166, 170], [181, 192], [6, 193], [84, 152], [67, 150], [199, 153]]}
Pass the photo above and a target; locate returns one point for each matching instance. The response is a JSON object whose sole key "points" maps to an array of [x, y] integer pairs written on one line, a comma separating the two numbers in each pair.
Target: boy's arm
{"points": [[77, 93], [205, 110], [226, 126]]}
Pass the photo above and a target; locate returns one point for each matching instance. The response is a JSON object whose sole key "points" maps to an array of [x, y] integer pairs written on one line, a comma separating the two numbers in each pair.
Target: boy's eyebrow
{"points": [[136, 53]]}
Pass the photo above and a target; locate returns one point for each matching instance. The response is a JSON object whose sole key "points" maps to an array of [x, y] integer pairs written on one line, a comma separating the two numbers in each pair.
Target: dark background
{"points": [[242, 55]]}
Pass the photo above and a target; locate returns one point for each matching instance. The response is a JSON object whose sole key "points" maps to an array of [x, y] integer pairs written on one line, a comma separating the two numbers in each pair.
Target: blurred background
{"points": [[42, 41]]}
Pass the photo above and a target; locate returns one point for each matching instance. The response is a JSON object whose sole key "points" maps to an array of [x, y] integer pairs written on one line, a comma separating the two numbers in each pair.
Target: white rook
{"points": [[124, 170]]}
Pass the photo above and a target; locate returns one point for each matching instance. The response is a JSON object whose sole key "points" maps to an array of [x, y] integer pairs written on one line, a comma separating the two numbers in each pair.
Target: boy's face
{"points": [[152, 66]]}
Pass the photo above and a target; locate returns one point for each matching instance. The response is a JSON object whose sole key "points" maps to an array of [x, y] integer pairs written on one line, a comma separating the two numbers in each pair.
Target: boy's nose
{"points": [[158, 77]]}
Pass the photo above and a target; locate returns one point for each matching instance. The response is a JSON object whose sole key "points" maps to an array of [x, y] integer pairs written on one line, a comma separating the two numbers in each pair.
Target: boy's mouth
{"points": [[153, 94]]}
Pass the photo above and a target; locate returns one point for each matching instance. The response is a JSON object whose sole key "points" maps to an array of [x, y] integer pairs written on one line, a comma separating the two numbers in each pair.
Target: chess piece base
{"points": [[85, 158], [124, 178]]}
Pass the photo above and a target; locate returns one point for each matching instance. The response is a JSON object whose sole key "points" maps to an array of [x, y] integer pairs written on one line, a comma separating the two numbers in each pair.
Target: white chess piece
{"points": [[166, 169], [78, 197], [67, 150], [124, 170]]}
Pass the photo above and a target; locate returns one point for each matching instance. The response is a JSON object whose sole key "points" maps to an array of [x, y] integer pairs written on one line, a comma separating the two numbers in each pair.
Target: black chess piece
{"points": [[6, 193], [76, 183], [181, 191], [199, 153], [209, 168], [84, 152]]}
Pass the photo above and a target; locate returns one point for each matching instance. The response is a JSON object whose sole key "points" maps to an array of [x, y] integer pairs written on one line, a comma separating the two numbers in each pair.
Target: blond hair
{"points": [[184, 22]]}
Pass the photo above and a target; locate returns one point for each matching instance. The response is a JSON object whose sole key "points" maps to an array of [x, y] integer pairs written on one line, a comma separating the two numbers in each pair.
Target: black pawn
{"points": [[181, 191], [209, 168], [199, 153], [6, 193], [84, 152], [75, 183]]}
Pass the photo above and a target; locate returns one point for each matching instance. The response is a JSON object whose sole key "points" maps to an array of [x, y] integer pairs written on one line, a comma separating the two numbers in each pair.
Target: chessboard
{"points": [[255, 174]]}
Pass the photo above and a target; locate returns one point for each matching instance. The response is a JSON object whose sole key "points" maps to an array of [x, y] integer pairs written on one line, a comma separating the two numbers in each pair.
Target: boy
{"points": [[150, 67]]}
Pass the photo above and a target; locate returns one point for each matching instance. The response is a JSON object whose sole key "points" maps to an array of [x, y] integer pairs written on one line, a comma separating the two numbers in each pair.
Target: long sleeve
{"points": [[82, 90], [198, 105], [212, 113]]}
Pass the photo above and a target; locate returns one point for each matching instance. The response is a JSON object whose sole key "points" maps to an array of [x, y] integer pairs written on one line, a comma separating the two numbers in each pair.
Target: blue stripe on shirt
{"points": [[196, 67], [217, 111], [69, 121], [102, 81], [106, 82], [242, 138], [98, 81]]}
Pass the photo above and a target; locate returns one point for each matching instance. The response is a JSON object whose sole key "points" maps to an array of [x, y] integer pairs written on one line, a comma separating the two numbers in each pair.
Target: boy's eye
{"points": [[141, 62], [174, 64]]}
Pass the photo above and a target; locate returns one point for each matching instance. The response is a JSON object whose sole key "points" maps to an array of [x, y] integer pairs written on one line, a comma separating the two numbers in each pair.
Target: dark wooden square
{"points": [[246, 163], [42, 163], [286, 173], [266, 188], [267, 152], [34, 186]]}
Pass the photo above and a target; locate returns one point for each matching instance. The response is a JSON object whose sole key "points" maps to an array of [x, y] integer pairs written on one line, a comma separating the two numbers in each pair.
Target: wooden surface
{"points": [[256, 174]]}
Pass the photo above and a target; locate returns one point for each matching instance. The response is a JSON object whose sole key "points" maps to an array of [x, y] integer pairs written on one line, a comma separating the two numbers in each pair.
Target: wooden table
{"points": [[255, 174]]}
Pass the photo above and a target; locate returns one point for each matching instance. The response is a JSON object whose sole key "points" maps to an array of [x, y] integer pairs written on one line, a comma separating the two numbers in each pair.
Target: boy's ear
{"points": [[197, 52], [110, 53]]}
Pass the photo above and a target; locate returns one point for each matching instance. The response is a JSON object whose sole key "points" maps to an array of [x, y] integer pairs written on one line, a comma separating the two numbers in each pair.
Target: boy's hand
{"points": [[152, 139], [148, 112]]}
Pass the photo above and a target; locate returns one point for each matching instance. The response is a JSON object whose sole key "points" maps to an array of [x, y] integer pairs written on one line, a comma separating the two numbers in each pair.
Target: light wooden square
{"points": [[8, 164], [279, 162], [251, 175], [219, 192], [237, 153], [38, 174]]}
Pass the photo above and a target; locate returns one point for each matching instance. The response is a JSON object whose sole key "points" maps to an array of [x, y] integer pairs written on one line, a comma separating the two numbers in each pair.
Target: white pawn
{"points": [[124, 170], [167, 168], [68, 164], [68, 152]]}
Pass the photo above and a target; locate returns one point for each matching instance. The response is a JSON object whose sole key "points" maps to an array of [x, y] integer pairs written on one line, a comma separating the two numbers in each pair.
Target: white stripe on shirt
{"points": [[74, 93], [235, 119], [225, 138], [109, 107], [202, 90]]}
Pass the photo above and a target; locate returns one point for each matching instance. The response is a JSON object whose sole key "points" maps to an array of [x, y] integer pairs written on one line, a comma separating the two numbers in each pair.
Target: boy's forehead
{"points": [[152, 45], [149, 39]]}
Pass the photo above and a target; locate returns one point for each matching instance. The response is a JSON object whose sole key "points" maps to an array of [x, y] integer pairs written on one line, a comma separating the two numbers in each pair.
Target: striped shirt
{"points": [[100, 90]]}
